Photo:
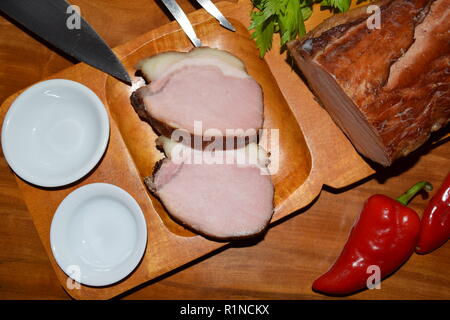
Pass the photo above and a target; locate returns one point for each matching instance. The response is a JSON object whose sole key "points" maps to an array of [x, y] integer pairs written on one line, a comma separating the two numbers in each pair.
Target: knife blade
{"points": [[215, 12], [183, 21], [49, 20]]}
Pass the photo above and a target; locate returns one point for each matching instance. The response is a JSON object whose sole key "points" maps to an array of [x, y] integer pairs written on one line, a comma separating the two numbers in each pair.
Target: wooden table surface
{"points": [[281, 266]]}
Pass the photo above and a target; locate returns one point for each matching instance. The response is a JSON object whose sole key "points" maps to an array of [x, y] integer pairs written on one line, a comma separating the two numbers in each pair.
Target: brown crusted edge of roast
{"points": [[335, 26], [150, 180], [304, 54], [308, 67]]}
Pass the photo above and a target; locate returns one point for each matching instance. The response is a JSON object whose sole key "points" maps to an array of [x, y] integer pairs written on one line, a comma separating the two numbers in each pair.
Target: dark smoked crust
{"points": [[335, 26], [137, 101], [401, 117], [150, 180]]}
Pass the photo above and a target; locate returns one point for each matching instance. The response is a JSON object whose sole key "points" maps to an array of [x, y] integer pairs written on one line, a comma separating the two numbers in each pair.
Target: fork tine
{"points": [[183, 20], [215, 12]]}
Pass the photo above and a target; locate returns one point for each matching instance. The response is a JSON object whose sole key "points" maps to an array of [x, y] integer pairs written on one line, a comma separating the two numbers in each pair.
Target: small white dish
{"points": [[55, 133], [98, 234]]}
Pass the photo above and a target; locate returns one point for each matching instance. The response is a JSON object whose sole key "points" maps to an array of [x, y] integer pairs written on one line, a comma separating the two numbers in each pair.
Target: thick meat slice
{"points": [[221, 201], [205, 94], [387, 88]]}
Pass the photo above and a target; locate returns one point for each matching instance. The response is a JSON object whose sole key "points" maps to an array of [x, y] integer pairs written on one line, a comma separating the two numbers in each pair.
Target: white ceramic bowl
{"points": [[98, 234], [55, 132]]}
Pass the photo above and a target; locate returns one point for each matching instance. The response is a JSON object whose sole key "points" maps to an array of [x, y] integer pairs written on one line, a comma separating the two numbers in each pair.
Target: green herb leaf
{"points": [[263, 35], [306, 12], [286, 17], [288, 21], [341, 5]]}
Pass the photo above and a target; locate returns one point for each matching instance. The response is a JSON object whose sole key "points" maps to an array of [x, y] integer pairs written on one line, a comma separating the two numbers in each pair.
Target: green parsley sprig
{"points": [[286, 17]]}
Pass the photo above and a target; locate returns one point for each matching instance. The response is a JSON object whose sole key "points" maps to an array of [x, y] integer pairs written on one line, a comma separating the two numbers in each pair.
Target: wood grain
{"points": [[282, 265], [131, 153]]}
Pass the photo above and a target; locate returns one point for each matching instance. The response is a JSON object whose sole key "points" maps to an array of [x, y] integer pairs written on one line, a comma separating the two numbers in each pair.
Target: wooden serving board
{"points": [[313, 151]]}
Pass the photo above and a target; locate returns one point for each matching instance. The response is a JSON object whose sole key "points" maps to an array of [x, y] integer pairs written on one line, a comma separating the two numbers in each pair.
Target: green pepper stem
{"points": [[408, 195]]}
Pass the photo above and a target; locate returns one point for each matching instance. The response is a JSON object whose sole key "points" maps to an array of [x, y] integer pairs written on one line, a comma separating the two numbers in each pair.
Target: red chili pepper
{"points": [[384, 236], [435, 225]]}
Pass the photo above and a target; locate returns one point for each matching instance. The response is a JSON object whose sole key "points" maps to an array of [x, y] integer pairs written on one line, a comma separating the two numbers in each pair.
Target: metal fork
{"points": [[186, 25]]}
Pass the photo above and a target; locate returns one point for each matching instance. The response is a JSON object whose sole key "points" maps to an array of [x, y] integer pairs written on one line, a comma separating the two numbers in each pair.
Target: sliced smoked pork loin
{"points": [[386, 88], [206, 87], [200, 187], [222, 200]]}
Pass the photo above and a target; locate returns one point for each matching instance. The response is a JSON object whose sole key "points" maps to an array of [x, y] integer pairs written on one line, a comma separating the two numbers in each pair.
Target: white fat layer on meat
{"points": [[251, 154], [165, 63]]}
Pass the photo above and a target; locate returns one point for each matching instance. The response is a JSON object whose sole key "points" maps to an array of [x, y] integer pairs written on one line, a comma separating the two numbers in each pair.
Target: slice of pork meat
{"points": [[386, 88], [220, 201], [205, 89]]}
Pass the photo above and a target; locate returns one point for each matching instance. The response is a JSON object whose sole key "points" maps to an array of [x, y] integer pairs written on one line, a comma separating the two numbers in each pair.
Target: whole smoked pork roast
{"points": [[386, 88]]}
